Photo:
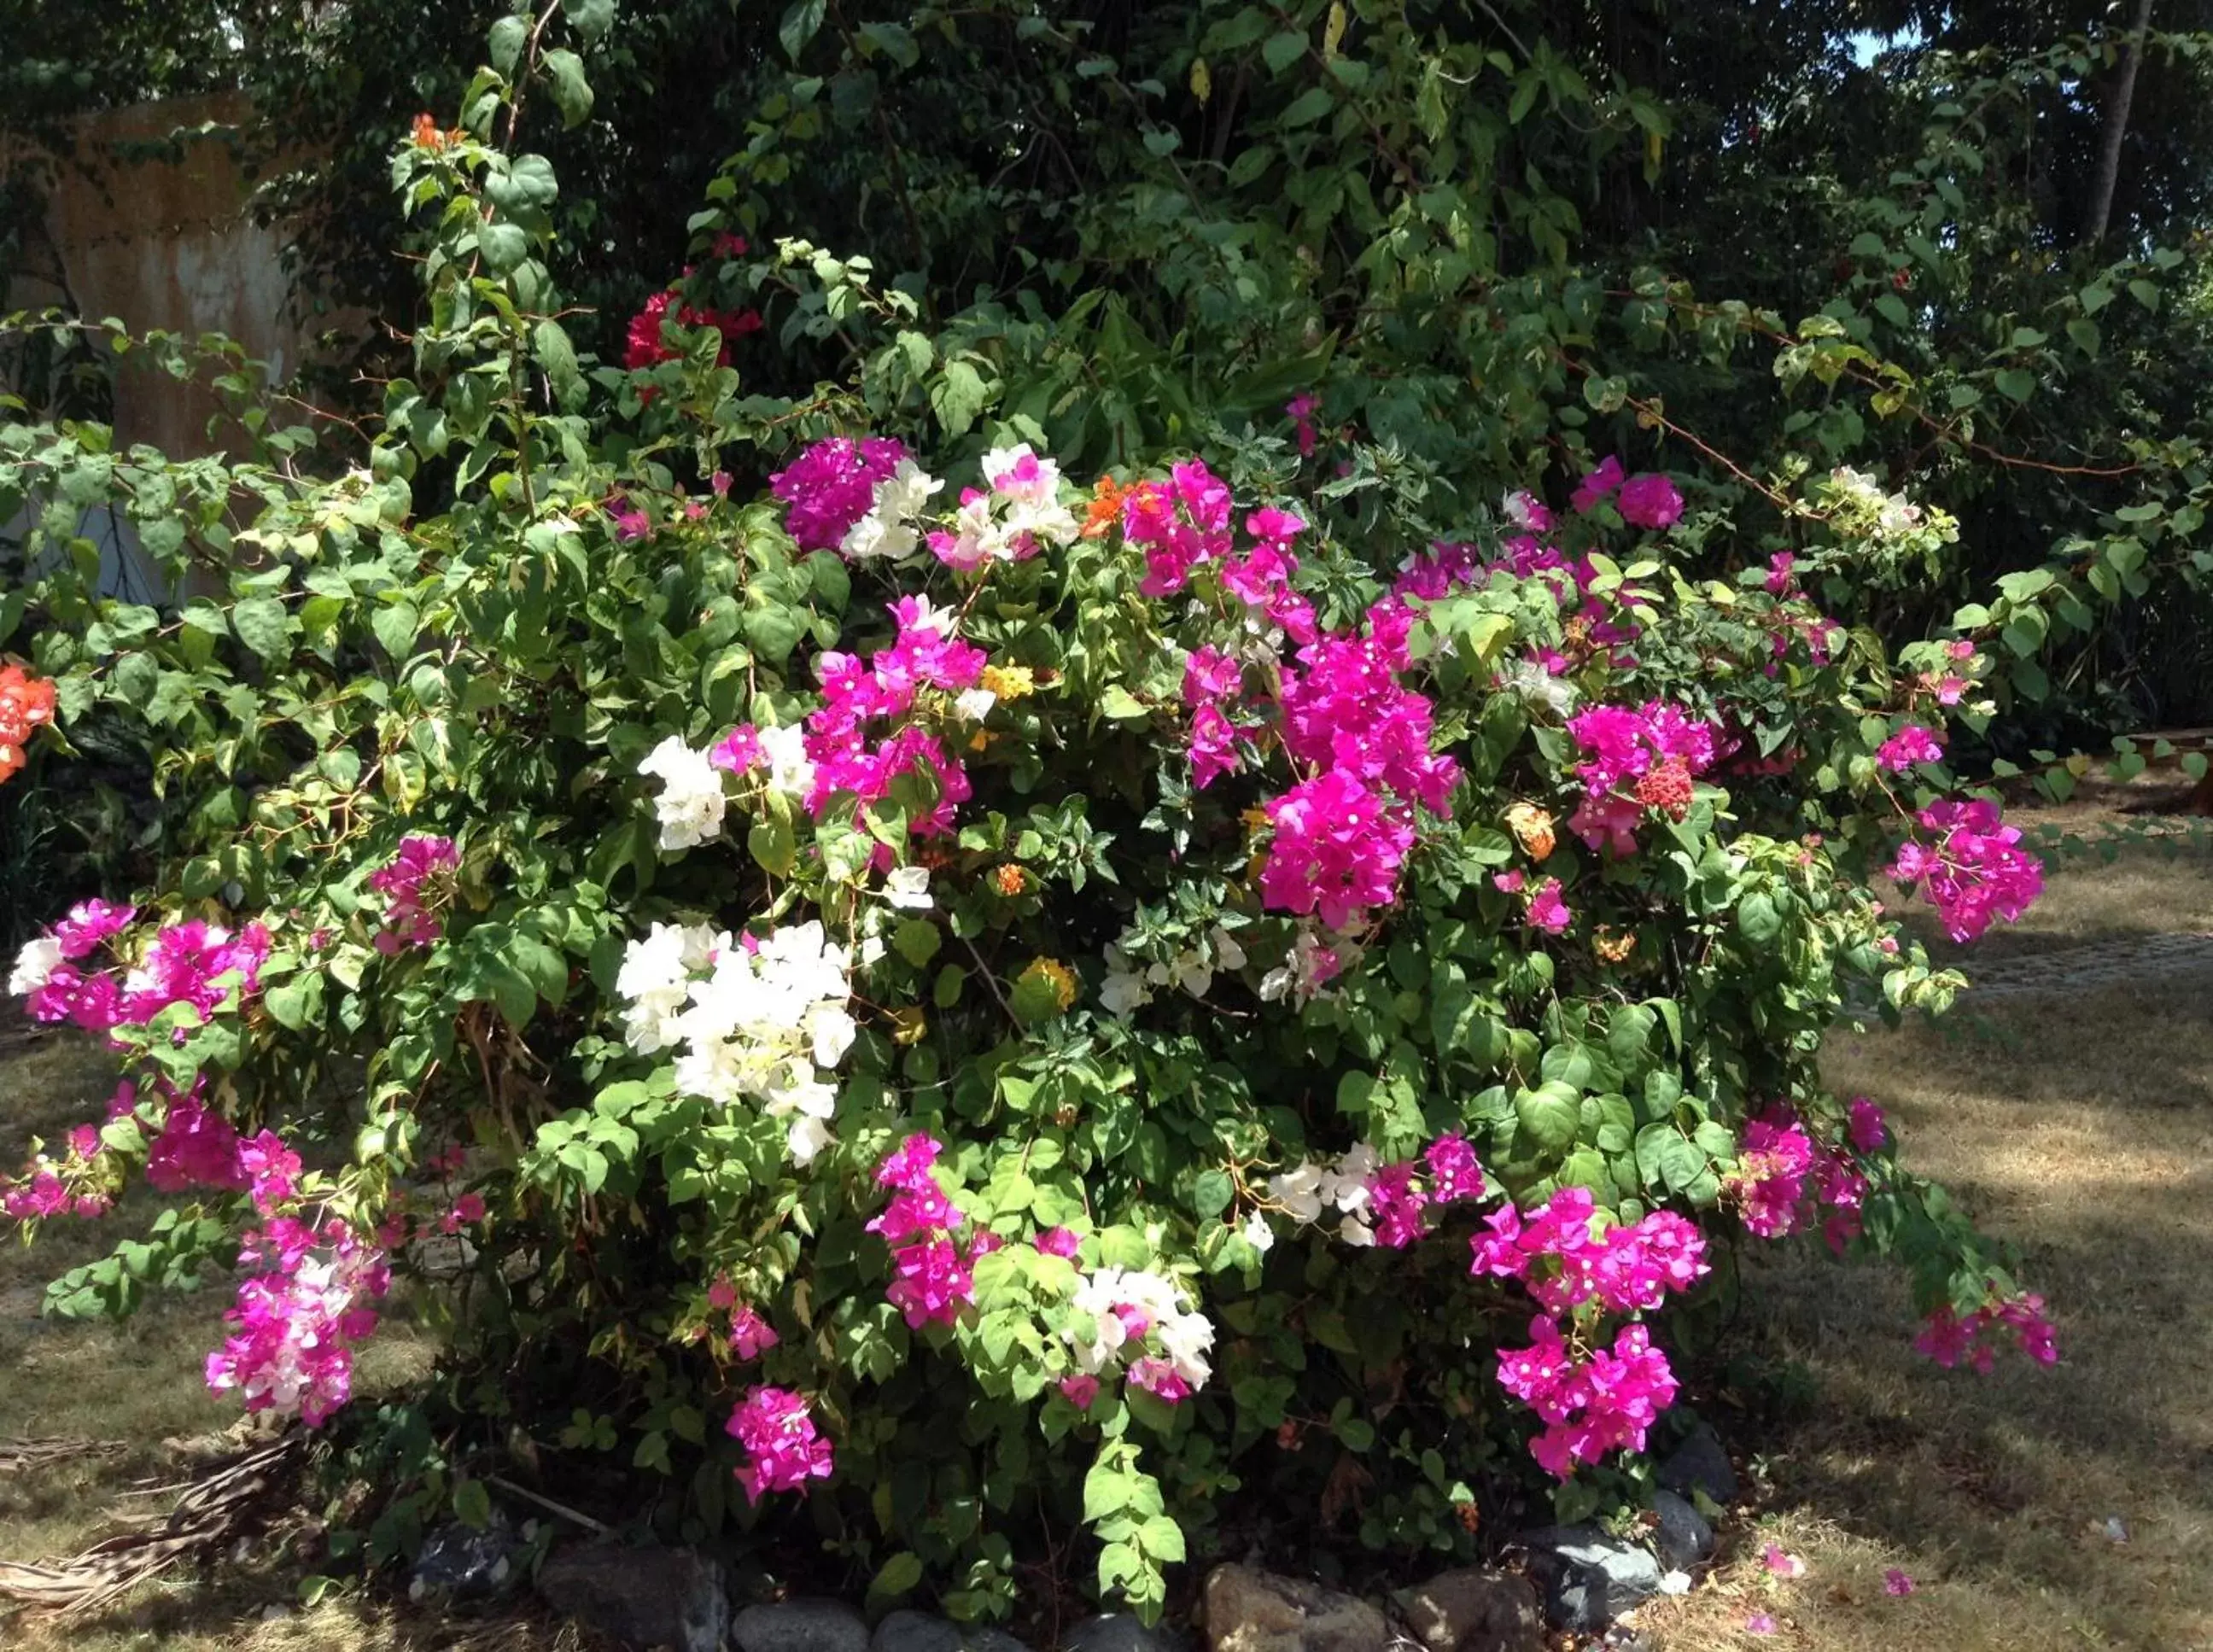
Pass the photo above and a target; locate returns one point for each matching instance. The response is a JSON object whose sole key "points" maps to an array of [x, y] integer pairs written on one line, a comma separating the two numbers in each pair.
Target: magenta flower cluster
{"points": [[1343, 714], [1910, 745], [1605, 1402], [194, 963], [197, 1147], [1590, 1406], [303, 1307], [1968, 867], [1786, 1175], [933, 1279], [1645, 500], [1633, 760], [926, 655], [1400, 1195], [412, 883], [783, 1449], [1627, 1268], [1949, 1338], [830, 485]]}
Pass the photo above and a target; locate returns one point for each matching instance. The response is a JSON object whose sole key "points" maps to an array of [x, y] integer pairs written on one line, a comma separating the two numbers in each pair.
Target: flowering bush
{"points": [[1069, 993]]}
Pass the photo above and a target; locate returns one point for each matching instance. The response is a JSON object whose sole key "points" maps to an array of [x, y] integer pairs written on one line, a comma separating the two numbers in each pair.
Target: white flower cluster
{"points": [[34, 965], [887, 529], [790, 770], [1312, 1191], [691, 804], [764, 1021], [1128, 1305], [1127, 986], [1857, 505], [1018, 515]]}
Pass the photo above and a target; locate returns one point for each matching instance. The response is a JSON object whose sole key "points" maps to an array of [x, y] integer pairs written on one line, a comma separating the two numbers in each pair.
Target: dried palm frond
{"points": [[16, 1455], [212, 1508]]}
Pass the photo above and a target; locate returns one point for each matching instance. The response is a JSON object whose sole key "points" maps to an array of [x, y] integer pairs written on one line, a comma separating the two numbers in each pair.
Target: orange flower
{"points": [[1011, 880], [427, 135], [1614, 946], [1533, 828], [26, 703], [1107, 496]]}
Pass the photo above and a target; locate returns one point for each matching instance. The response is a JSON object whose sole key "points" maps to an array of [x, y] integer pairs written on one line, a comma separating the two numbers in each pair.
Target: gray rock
{"points": [[1684, 1539], [1120, 1631], [915, 1632], [459, 1562], [1699, 1464], [649, 1597], [800, 1627], [1588, 1578], [1472, 1609], [1248, 1610]]}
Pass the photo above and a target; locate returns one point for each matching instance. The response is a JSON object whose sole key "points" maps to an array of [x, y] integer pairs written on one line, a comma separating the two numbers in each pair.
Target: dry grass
{"points": [[2080, 1126]]}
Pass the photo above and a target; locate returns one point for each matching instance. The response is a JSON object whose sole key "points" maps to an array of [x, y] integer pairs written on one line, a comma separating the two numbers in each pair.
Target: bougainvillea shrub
{"points": [[968, 1003]]}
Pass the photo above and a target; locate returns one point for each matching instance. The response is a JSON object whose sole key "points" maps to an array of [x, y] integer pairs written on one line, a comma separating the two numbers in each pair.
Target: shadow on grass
{"points": [[2081, 1131]]}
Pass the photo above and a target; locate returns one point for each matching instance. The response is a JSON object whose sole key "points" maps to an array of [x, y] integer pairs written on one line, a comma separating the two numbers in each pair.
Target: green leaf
{"points": [[527, 182], [572, 93], [504, 46], [772, 844], [395, 623], [473, 1504], [550, 345], [917, 940], [802, 19], [1212, 1194], [773, 632], [1666, 1158], [1548, 1116], [296, 1002], [1284, 49], [896, 1577], [956, 397], [1757, 920], [591, 19], [1120, 704], [2016, 383], [1309, 106], [503, 246], [264, 626]]}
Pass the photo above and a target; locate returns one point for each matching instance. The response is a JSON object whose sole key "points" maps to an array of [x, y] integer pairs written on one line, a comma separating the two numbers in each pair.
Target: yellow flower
{"points": [[1532, 827], [1009, 683], [1061, 977]]}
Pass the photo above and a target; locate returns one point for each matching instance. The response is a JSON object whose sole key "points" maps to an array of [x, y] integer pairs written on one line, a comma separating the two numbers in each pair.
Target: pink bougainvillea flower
{"points": [[1598, 486], [1548, 912], [1910, 745], [1761, 1623], [1895, 1581], [1651, 500], [1782, 1565], [1870, 1131], [784, 1449]]}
